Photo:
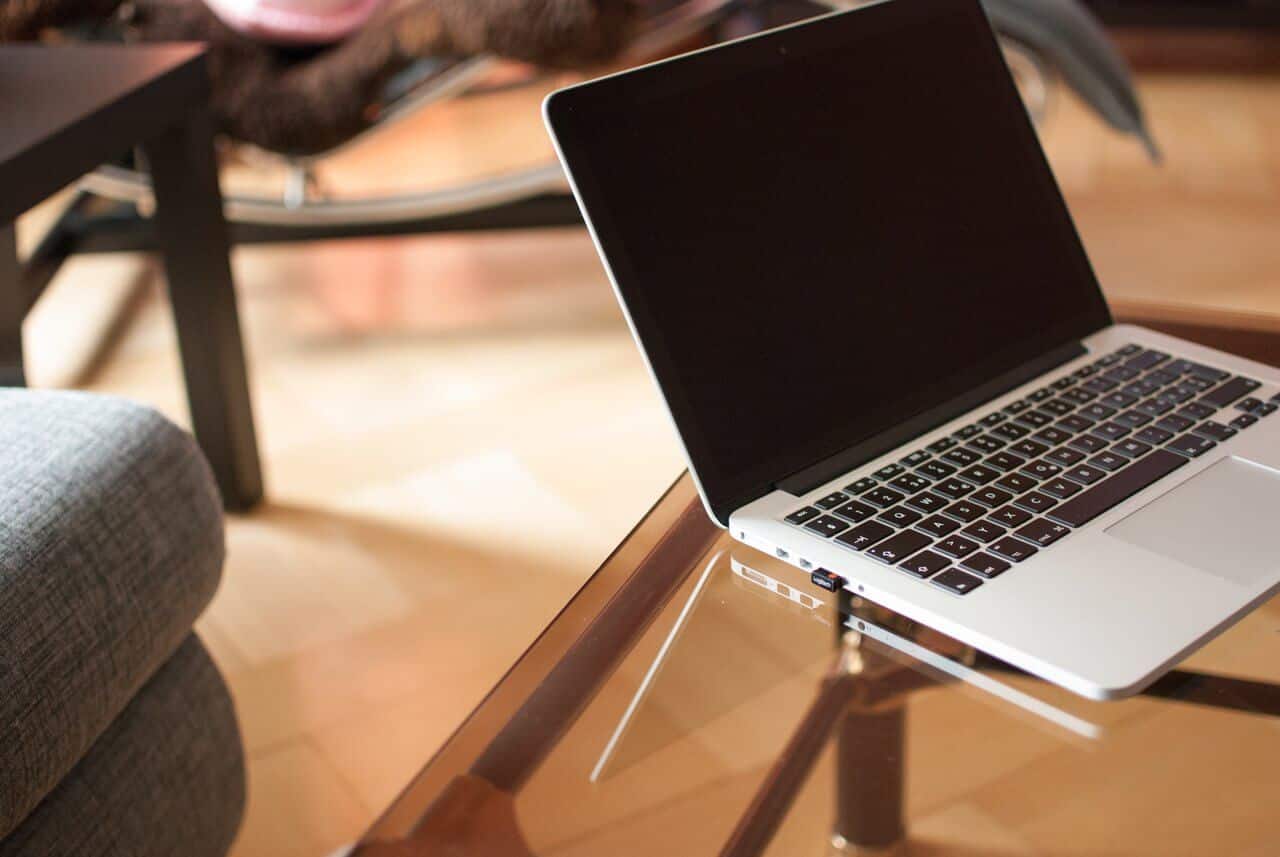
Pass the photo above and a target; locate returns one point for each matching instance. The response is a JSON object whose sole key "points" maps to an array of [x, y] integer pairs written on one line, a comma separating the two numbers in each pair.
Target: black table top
{"points": [[68, 108]]}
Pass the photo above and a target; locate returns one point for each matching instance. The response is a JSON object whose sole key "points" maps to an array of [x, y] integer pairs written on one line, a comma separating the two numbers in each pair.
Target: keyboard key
{"points": [[889, 471], [863, 485], [1133, 419], [957, 546], [1176, 423], [955, 580], [1129, 350], [827, 526], [1215, 431], [1017, 407], [1156, 407], [1178, 367], [1079, 396], [915, 459], [1152, 435], [1074, 423], [1041, 532], [963, 457], [1006, 461], [1132, 448], [1065, 455], [1087, 443], [1121, 374], [1248, 404], [984, 531], [1109, 460], [1052, 436], [1060, 488], [942, 445], [1197, 411], [1010, 516], [1194, 383], [865, 535], [1191, 445], [1226, 394], [986, 443], [1110, 431], [1085, 372], [1029, 448], [1011, 431], [1118, 400], [1141, 387], [897, 548], [938, 525], [1011, 548], [991, 497], [1099, 385], [1266, 409], [1243, 421], [1207, 372], [953, 488], [1107, 495], [1035, 419], [1034, 501], [909, 483], [882, 497], [1041, 394], [1146, 360], [800, 516], [1085, 474], [1057, 407], [1179, 394], [1163, 378], [936, 469], [965, 511], [1063, 383], [1096, 412], [979, 474], [985, 565], [832, 500], [927, 501], [855, 511], [969, 431], [1016, 482], [1042, 469], [1110, 359], [925, 564], [900, 516], [992, 419]]}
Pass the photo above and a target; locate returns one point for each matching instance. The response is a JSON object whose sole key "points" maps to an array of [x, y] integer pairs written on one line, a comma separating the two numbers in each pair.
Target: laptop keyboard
{"points": [[969, 507]]}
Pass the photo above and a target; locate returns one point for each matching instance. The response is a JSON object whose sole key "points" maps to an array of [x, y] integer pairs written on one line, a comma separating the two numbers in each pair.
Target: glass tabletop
{"points": [[697, 697]]}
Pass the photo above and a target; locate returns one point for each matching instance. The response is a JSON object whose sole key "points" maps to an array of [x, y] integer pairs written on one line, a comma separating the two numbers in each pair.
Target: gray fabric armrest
{"points": [[110, 546], [166, 778]]}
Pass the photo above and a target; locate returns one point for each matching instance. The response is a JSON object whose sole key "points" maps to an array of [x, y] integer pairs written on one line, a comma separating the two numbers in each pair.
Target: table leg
{"points": [[193, 240], [13, 307], [870, 782]]}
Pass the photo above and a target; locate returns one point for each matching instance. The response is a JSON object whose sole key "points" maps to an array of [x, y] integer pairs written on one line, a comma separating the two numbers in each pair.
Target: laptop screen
{"points": [[823, 231]]}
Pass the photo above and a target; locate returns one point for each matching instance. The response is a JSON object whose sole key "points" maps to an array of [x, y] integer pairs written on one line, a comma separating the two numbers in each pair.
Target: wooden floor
{"points": [[457, 429]]}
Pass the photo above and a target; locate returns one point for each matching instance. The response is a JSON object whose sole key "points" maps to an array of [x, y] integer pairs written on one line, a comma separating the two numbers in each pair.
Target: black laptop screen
{"points": [[821, 232]]}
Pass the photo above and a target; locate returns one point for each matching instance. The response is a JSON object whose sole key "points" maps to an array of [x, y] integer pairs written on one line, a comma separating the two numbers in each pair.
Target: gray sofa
{"points": [[117, 734]]}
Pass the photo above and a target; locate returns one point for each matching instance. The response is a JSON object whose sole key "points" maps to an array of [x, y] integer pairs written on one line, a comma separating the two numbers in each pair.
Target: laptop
{"points": [[857, 285]]}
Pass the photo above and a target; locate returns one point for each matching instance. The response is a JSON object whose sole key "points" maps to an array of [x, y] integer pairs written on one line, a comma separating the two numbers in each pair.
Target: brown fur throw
{"points": [[307, 101]]}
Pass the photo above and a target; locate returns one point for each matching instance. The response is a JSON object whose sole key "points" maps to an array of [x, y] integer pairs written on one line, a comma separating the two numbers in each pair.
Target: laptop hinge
{"points": [[855, 456]]}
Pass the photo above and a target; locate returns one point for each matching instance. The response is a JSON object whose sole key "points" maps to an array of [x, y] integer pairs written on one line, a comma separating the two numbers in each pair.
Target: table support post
{"points": [[870, 781], [13, 307], [193, 240]]}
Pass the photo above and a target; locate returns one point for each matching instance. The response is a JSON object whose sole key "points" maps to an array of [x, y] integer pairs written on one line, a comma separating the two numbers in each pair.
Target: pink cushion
{"points": [[295, 21]]}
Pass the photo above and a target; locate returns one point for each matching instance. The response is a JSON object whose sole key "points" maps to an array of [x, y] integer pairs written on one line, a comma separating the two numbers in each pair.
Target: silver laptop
{"points": [[858, 287]]}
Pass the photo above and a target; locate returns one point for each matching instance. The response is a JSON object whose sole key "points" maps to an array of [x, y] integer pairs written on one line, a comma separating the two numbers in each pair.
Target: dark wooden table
{"points": [[67, 109]]}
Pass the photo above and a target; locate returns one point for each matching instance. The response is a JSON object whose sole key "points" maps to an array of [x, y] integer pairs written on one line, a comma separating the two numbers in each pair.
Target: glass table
{"points": [[697, 697]]}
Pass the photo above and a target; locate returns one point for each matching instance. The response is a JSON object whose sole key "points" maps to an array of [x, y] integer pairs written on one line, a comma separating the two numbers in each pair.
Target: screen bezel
{"points": [[570, 112]]}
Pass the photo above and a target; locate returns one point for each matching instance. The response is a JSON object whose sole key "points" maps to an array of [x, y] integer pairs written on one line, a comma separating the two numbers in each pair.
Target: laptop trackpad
{"points": [[1220, 521]]}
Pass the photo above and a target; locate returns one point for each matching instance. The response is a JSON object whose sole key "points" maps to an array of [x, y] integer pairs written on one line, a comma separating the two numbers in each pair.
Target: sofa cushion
{"points": [[110, 546], [166, 778]]}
